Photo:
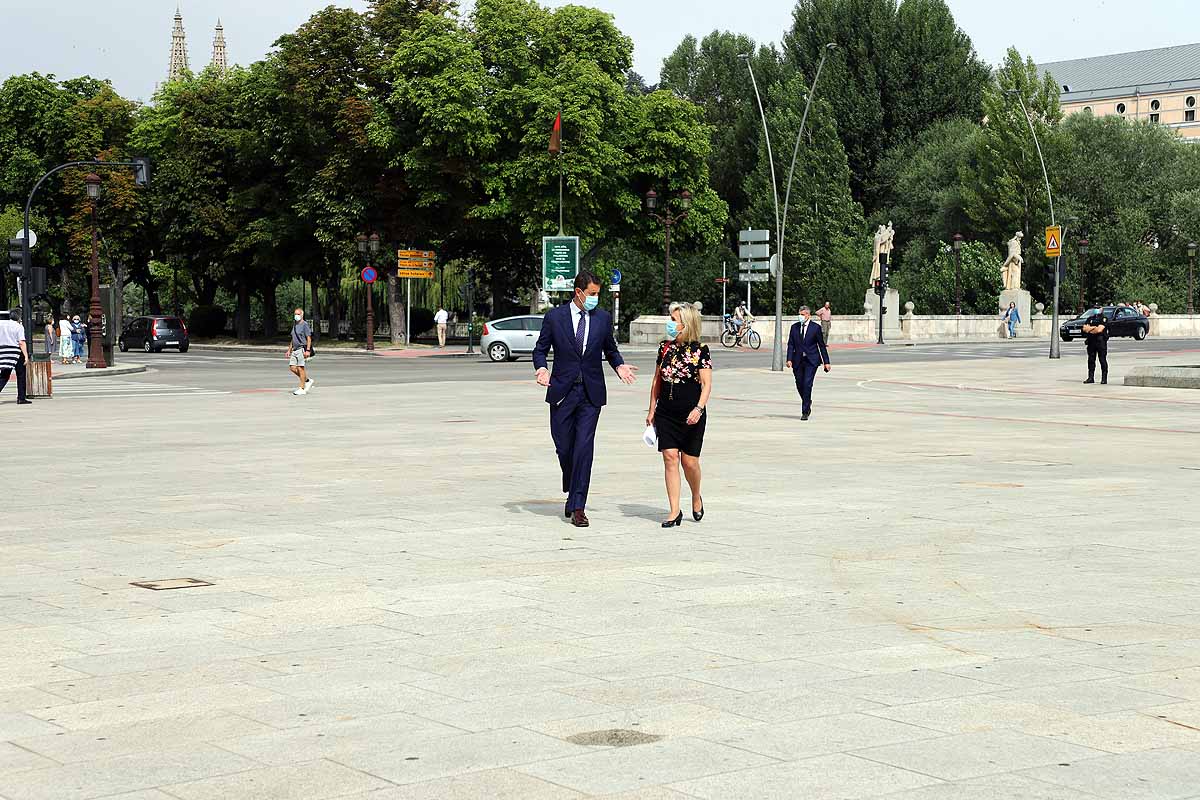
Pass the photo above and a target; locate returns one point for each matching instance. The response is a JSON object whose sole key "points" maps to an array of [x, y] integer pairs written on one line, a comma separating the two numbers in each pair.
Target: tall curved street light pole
{"points": [[1054, 346], [766, 135], [777, 350]]}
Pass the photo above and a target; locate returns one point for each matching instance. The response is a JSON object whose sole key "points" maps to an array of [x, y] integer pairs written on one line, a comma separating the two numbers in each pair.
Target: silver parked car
{"points": [[505, 339]]}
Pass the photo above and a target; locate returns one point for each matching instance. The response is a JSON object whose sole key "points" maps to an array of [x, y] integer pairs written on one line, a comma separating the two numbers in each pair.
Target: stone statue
{"points": [[884, 242], [1010, 272]]}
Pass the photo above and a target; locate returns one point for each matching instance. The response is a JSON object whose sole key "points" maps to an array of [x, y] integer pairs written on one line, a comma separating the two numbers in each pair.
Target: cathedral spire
{"points": [[179, 56], [220, 59]]}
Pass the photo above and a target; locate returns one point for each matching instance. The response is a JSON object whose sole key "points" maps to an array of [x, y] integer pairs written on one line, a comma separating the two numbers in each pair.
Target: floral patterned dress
{"points": [[680, 364]]}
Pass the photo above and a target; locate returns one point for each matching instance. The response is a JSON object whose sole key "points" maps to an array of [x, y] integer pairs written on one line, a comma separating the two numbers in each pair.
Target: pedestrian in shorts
{"points": [[299, 349]]}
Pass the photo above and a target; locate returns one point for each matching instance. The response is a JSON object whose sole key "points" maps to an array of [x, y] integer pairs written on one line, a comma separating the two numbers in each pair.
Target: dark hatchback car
{"points": [[152, 334], [1120, 320]]}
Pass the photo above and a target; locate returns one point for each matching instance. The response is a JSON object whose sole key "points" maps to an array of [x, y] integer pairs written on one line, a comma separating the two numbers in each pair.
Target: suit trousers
{"points": [[573, 428], [805, 372], [1100, 351], [21, 370]]}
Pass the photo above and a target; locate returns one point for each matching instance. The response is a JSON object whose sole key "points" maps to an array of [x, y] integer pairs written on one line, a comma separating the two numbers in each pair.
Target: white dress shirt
{"points": [[576, 311]]}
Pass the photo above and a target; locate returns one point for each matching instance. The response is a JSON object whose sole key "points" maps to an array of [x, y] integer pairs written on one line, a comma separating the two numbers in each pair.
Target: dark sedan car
{"points": [[152, 334], [1120, 320]]}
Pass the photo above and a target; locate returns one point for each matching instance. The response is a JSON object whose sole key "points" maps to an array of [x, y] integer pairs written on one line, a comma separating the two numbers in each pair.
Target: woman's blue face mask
{"points": [[672, 329]]}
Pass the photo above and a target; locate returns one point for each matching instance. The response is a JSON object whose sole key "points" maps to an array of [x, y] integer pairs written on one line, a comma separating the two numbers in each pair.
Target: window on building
{"points": [[1154, 117], [1155, 105], [1190, 102], [1120, 108], [1087, 109], [1189, 115]]}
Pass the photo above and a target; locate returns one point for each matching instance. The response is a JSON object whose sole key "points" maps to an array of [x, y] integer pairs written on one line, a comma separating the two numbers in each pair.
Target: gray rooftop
{"points": [[1162, 69]]}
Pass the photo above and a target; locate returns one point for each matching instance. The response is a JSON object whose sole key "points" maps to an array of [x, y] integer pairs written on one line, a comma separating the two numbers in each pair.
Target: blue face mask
{"points": [[672, 329], [590, 302]]}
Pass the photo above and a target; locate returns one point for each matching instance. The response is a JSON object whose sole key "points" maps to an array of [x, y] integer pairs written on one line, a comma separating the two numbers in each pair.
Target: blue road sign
{"points": [[616, 276], [369, 275]]}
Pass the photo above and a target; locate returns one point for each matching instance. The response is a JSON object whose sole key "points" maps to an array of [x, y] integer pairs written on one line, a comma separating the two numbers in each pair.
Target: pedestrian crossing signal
{"points": [[1053, 241]]}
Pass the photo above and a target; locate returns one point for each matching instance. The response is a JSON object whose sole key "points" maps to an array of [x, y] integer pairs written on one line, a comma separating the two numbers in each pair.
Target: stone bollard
{"points": [[906, 320], [1040, 309], [1154, 320]]}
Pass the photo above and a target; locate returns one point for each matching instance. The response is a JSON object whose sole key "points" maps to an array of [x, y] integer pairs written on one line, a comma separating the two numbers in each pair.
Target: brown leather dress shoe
{"points": [[579, 519]]}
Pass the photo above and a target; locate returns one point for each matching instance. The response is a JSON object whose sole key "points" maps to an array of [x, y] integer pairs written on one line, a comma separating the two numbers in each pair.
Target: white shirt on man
{"points": [[576, 311], [12, 333], [441, 317]]}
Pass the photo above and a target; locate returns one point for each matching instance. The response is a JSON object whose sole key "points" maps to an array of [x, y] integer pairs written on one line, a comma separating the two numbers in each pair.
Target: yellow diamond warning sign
{"points": [[1054, 241]]}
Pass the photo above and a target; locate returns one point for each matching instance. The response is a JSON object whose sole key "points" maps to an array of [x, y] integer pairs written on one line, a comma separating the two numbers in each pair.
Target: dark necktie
{"points": [[580, 331], [803, 330]]}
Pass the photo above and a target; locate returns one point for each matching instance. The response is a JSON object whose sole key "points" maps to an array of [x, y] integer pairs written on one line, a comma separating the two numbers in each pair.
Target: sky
{"points": [[128, 41]]}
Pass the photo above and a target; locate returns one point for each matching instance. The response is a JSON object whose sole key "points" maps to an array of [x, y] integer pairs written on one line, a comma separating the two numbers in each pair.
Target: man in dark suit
{"points": [[581, 336], [806, 350]]}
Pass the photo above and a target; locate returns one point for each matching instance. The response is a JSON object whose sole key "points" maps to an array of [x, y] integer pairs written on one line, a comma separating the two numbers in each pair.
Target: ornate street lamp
{"points": [[667, 219], [95, 314], [958, 243]]}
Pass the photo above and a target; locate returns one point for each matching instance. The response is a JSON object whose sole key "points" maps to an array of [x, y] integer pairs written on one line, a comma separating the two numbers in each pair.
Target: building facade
{"points": [[1161, 86]]}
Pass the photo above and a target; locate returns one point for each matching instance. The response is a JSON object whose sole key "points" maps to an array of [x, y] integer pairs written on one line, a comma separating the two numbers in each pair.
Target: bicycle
{"points": [[731, 336]]}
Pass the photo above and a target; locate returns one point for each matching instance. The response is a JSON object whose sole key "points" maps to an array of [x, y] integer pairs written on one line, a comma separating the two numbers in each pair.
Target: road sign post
{"points": [[560, 262], [754, 254]]}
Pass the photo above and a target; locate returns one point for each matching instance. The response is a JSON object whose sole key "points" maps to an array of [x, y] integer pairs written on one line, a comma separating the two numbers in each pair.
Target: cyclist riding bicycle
{"points": [[742, 319]]}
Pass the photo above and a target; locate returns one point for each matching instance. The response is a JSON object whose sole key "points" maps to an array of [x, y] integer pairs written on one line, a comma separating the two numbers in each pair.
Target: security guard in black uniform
{"points": [[1097, 345]]}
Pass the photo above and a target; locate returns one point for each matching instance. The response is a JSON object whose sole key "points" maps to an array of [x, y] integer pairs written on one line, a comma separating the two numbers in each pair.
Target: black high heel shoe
{"points": [[674, 523], [699, 515]]}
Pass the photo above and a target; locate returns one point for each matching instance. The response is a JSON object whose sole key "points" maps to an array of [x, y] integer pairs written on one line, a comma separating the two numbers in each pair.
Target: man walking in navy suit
{"points": [[805, 351], [581, 336]]}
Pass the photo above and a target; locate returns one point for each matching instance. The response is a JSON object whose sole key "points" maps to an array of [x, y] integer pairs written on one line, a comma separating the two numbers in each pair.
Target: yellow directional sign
{"points": [[414, 273], [427, 255], [416, 263], [1054, 241]]}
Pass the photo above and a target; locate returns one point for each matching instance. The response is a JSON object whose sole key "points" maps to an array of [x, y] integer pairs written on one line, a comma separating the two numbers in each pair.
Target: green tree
{"points": [[712, 75], [1006, 190], [923, 181], [930, 284], [897, 69]]}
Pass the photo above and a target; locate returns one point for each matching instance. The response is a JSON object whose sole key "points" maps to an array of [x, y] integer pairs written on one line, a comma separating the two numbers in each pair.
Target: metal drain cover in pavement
{"points": [[616, 737], [170, 583]]}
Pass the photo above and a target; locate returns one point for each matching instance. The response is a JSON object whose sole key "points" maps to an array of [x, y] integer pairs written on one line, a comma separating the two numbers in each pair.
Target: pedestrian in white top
{"points": [[14, 354], [66, 348], [441, 318]]}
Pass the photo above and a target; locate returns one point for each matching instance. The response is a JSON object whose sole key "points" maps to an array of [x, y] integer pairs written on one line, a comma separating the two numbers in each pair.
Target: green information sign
{"points": [[560, 262]]}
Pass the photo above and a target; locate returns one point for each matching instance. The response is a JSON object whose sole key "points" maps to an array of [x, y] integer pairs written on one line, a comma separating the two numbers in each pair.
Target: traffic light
{"points": [[37, 280], [16, 256]]}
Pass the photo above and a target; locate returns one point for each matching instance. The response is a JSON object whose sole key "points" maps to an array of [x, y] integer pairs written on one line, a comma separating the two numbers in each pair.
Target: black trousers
{"points": [[1095, 351], [804, 371], [21, 376]]}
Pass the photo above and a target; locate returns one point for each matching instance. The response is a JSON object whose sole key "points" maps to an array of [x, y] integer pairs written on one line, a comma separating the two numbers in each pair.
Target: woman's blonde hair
{"points": [[689, 319]]}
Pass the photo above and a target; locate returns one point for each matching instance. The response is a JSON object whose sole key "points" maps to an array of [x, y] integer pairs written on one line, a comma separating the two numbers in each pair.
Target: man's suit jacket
{"points": [[569, 365], [810, 347]]}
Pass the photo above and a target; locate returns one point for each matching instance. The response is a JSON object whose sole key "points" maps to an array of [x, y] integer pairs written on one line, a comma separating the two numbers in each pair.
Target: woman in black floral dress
{"points": [[678, 400]]}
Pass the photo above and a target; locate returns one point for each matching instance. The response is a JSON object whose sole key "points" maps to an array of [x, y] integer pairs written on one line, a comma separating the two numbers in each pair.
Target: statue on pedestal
{"points": [[1010, 271], [884, 242]]}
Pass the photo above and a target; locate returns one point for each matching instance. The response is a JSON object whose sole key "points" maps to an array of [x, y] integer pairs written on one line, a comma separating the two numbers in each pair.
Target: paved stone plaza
{"points": [[990, 591]]}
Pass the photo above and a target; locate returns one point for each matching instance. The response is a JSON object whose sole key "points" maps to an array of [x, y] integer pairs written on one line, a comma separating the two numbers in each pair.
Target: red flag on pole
{"points": [[556, 135]]}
